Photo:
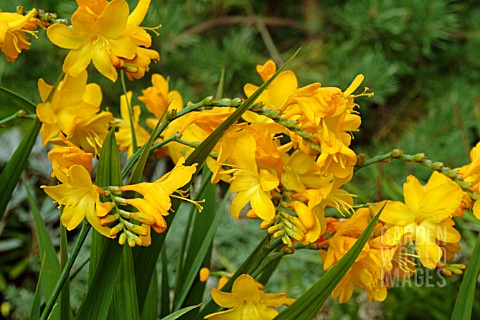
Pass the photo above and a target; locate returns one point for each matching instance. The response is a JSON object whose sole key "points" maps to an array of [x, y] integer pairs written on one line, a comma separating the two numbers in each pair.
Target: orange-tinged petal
{"points": [[94, 220], [429, 252], [239, 202], [113, 20], [77, 60], [441, 202], [65, 37], [305, 215], [447, 233], [138, 14], [476, 209], [44, 89], [397, 213], [246, 287], [93, 95], [224, 299], [72, 216], [101, 60], [262, 205], [268, 181], [123, 47], [413, 192]]}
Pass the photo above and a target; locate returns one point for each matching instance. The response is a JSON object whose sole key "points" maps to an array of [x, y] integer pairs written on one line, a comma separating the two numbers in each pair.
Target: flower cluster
{"points": [[288, 159], [105, 208], [107, 34]]}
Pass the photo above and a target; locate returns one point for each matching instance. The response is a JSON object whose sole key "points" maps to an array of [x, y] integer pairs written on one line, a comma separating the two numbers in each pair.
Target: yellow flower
{"points": [[250, 184], [96, 36], [276, 94], [159, 100], [13, 27], [136, 67], [247, 301], [63, 158], [336, 157], [425, 216], [73, 112], [80, 198], [156, 196], [124, 133], [367, 272]]}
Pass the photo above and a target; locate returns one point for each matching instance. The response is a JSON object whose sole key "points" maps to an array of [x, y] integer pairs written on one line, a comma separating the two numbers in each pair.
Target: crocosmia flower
{"points": [[13, 29], [247, 301]]}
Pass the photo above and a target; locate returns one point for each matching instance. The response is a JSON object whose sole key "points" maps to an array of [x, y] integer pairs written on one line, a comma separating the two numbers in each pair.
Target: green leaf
{"points": [[11, 98], [108, 174], [179, 313], [140, 164], [307, 306], [199, 250], [106, 254], [100, 292], [65, 309], [145, 259], [52, 267], [37, 298], [150, 307], [165, 302], [466, 295], [125, 304], [11, 173]]}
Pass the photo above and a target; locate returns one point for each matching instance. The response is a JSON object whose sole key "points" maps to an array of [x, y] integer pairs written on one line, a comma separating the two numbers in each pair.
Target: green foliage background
{"points": [[421, 58]]}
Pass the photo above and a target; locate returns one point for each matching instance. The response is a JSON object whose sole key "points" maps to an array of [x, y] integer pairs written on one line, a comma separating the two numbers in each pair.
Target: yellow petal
{"points": [[262, 205], [77, 60], [397, 213], [101, 61], [64, 37], [138, 14], [123, 47], [476, 209], [413, 192], [113, 20], [239, 202], [224, 299]]}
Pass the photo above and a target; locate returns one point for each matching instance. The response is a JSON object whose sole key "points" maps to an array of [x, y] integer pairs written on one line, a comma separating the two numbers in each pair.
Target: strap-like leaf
{"points": [[14, 99], [466, 296], [11, 173], [105, 264], [179, 313], [307, 306], [201, 239], [51, 269]]}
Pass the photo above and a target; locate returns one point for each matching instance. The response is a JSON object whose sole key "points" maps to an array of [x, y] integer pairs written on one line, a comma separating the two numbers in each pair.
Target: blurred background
{"points": [[421, 58]]}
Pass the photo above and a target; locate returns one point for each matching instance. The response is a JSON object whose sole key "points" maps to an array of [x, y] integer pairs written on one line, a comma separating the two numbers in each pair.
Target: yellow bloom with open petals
{"points": [[159, 99], [13, 29], [63, 158], [250, 184], [95, 36], [73, 113], [276, 94], [156, 195], [80, 198], [136, 67], [425, 216], [368, 271], [247, 301], [124, 133]]}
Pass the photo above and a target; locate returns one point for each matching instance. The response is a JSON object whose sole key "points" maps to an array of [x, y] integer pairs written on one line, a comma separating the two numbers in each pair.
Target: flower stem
{"points": [[17, 115], [66, 270]]}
